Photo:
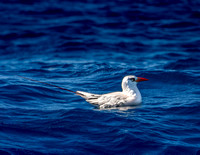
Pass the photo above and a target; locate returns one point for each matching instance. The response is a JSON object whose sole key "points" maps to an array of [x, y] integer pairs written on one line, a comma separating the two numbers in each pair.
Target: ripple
{"points": [[189, 63], [91, 46]]}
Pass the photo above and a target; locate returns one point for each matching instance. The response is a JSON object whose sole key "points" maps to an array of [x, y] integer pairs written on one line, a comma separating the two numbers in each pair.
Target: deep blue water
{"points": [[90, 45]]}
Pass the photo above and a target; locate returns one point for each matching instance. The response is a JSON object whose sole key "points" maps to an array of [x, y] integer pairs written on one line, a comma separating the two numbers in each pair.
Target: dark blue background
{"points": [[90, 45]]}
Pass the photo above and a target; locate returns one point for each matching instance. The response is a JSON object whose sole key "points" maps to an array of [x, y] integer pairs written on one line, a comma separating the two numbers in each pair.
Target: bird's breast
{"points": [[135, 99]]}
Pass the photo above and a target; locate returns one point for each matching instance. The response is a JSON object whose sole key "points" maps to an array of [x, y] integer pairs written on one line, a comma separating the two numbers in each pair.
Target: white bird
{"points": [[129, 96]]}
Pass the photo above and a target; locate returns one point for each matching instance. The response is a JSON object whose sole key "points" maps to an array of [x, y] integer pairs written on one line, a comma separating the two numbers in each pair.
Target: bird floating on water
{"points": [[129, 96]]}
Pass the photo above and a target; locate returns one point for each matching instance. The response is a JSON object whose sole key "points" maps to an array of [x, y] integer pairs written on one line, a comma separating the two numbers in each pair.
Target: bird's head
{"points": [[131, 81]]}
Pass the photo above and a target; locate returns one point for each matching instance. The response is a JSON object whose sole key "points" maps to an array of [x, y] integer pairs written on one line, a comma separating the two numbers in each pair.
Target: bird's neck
{"points": [[132, 90]]}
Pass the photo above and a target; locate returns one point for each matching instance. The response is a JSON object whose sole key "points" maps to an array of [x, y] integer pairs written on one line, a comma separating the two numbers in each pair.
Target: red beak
{"points": [[139, 79]]}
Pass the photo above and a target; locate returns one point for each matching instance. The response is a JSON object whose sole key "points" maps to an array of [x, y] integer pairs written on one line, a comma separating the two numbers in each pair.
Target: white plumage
{"points": [[130, 94]]}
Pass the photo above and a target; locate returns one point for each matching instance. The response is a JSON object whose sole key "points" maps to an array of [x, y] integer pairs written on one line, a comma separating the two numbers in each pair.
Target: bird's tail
{"points": [[91, 98], [49, 84]]}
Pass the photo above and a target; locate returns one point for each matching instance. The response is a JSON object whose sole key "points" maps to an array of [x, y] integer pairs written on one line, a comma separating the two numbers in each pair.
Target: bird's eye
{"points": [[132, 79]]}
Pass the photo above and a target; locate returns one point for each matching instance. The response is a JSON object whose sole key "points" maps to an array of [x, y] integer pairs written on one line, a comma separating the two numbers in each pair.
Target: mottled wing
{"points": [[115, 99], [112, 100]]}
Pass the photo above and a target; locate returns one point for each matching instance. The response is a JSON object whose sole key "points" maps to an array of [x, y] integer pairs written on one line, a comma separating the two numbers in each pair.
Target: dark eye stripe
{"points": [[132, 79]]}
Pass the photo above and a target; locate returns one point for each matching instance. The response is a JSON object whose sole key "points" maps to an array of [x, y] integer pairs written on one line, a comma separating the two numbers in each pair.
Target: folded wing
{"points": [[106, 100]]}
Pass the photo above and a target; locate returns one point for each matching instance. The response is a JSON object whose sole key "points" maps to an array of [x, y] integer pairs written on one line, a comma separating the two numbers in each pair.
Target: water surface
{"points": [[90, 45]]}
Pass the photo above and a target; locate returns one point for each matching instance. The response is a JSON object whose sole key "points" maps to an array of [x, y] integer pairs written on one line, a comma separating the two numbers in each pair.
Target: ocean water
{"points": [[90, 45]]}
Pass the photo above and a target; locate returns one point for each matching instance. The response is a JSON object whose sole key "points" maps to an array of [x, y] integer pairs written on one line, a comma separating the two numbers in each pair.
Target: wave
{"points": [[90, 46]]}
